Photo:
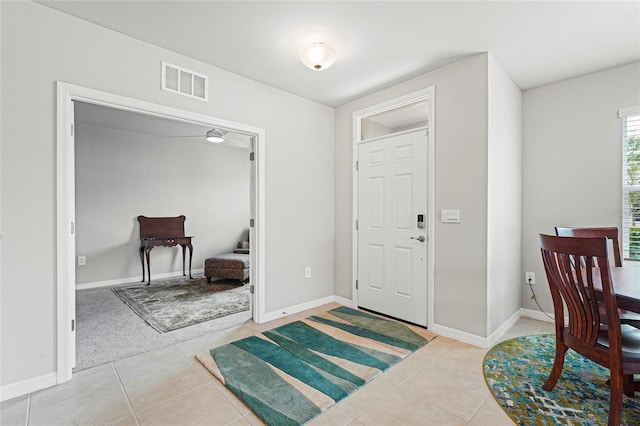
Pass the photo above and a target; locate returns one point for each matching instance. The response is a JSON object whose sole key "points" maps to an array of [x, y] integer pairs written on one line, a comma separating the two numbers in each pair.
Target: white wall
{"points": [[41, 46], [572, 160], [504, 215], [461, 182], [122, 174]]}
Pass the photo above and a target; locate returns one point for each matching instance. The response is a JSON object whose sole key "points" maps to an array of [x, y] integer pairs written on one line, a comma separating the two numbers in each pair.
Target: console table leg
{"points": [[183, 274], [148, 266], [190, 257], [142, 263]]}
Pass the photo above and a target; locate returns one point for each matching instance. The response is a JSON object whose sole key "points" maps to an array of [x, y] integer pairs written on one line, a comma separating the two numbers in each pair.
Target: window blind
{"points": [[631, 184]]}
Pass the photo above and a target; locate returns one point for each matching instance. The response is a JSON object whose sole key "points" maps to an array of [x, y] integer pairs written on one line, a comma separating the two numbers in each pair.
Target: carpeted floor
{"points": [[108, 330], [290, 374], [516, 369]]}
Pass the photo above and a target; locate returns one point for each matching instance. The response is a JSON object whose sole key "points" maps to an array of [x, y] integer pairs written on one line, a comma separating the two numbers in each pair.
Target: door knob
{"points": [[420, 238]]}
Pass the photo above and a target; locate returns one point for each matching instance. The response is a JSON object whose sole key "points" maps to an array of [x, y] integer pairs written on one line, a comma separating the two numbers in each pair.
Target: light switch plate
{"points": [[450, 216]]}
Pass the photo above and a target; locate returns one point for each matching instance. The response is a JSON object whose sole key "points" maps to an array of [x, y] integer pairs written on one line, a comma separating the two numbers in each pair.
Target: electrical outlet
{"points": [[307, 272], [82, 260], [529, 278]]}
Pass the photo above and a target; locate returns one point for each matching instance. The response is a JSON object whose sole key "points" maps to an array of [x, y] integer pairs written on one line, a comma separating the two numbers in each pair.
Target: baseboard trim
{"points": [[27, 386], [500, 331], [110, 283], [473, 339], [290, 310], [537, 315], [344, 301], [462, 336]]}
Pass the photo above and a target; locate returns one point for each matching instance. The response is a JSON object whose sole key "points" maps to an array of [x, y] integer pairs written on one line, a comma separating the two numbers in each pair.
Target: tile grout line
{"points": [[115, 370], [385, 394], [26, 419], [195, 363], [479, 407], [207, 383]]}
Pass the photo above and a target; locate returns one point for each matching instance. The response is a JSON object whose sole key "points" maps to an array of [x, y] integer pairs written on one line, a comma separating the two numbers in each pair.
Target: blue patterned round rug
{"points": [[516, 369]]}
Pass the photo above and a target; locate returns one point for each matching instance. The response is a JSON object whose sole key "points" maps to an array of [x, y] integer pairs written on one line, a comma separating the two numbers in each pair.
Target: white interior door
{"points": [[392, 246]]}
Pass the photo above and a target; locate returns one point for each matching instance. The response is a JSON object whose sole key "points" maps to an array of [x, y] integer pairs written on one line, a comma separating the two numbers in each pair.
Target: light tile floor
{"points": [[440, 384]]}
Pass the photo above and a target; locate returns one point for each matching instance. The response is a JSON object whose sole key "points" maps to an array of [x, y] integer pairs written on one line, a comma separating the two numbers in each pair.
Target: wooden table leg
{"points": [[148, 266], [190, 257], [142, 263], [183, 250]]}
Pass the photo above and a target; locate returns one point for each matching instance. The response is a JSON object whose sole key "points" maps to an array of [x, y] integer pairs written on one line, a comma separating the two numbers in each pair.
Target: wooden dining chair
{"points": [[610, 233], [571, 265]]}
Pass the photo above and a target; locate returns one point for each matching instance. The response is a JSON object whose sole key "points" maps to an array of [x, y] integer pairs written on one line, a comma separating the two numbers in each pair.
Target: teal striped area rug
{"points": [[290, 374]]}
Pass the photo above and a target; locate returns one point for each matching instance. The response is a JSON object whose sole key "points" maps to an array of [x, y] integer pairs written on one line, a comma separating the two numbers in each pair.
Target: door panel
{"points": [[376, 203], [392, 192]]}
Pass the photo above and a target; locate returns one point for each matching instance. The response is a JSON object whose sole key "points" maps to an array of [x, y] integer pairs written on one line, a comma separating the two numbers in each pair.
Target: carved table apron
{"points": [[147, 244]]}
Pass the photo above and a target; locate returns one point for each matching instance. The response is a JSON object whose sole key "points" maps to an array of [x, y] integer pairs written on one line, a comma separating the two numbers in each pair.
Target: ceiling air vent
{"points": [[185, 82]]}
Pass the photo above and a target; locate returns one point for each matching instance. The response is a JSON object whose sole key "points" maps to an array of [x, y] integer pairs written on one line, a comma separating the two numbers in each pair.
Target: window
{"points": [[395, 120], [631, 183]]}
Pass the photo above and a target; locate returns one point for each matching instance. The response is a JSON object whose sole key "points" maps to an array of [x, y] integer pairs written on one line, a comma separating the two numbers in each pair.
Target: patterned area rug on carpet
{"points": [[290, 374], [169, 305], [516, 369]]}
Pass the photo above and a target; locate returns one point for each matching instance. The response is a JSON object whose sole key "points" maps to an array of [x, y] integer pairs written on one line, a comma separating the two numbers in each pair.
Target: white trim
{"points": [[430, 94], [65, 248], [462, 336], [344, 301], [285, 312], [483, 342], [290, 310], [66, 95], [628, 111], [538, 315], [403, 132], [27, 386], [132, 280], [500, 331]]}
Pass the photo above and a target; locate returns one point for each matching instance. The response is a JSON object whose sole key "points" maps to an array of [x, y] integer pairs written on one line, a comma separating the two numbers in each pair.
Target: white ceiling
{"points": [[379, 43], [160, 127]]}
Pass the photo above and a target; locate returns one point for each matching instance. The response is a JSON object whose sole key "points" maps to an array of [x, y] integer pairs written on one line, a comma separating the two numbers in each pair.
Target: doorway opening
{"points": [[129, 164], [68, 95], [393, 205]]}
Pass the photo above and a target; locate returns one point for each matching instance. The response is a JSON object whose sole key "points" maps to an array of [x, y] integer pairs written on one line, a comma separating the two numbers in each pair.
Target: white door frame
{"points": [[424, 94], [65, 259]]}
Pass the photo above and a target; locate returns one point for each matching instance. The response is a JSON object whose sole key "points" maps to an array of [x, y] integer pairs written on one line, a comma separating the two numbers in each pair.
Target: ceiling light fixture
{"points": [[318, 56], [215, 136]]}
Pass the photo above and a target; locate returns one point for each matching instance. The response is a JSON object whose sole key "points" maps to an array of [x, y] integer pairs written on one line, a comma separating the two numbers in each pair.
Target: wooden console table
{"points": [[166, 232]]}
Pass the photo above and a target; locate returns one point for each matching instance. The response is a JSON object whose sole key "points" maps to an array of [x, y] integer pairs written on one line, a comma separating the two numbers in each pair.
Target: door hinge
{"points": [[252, 289], [252, 223], [73, 325], [73, 227], [357, 166], [71, 129], [357, 224], [356, 284], [252, 156]]}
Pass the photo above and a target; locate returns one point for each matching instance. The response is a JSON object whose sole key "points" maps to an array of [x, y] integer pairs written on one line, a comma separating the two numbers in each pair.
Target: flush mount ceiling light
{"points": [[215, 136], [318, 56]]}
